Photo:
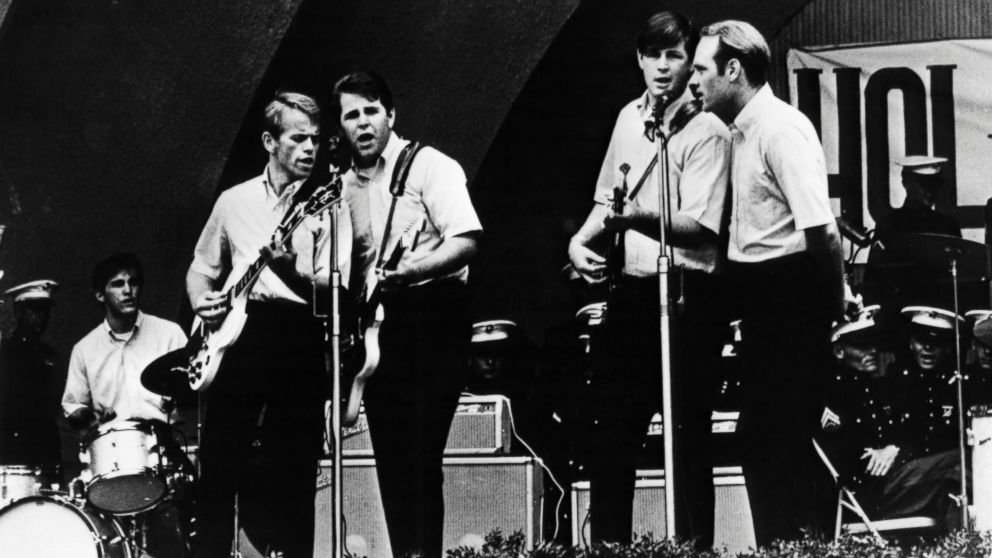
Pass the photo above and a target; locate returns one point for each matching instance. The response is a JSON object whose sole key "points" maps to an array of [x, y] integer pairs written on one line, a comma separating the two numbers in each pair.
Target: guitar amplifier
{"points": [[481, 427], [733, 527]]}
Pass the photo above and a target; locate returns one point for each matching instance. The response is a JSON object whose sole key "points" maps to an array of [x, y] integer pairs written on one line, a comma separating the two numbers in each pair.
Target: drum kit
{"points": [[104, 512]]}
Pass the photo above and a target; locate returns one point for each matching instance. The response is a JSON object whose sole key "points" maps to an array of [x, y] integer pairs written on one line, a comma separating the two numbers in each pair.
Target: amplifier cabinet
{"points": [[481, 426], [480, 494], [733, 526]]}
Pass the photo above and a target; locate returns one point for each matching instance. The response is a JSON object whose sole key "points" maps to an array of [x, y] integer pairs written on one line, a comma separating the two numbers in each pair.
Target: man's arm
{"points": [[282, 262], [76, 402], [823, 242], [453, 254], [588, 263], [207, 303], [684, 232], [702, 189]]}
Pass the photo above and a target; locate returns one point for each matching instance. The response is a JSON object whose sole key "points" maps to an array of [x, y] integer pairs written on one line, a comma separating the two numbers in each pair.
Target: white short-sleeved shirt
{"points": [[699, 163], [779, 180], [435, 189], [242, 222], [105, 369]]}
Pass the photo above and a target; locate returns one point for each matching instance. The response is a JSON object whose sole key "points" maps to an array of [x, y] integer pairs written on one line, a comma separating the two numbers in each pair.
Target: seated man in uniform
{"points": [[924, 378], [864, 431], [502, 362], [886, 431], [31, 379], [979, 367]]}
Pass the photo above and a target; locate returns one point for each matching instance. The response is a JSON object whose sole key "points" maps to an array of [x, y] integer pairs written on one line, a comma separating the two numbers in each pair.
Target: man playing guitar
{"points": [[627, 391], [262, 430], [426, 330]]}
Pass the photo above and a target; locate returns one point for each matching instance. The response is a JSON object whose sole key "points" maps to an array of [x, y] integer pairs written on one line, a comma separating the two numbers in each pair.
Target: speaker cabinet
{"points": [[480, 494], [733, 527], [481, 426]]}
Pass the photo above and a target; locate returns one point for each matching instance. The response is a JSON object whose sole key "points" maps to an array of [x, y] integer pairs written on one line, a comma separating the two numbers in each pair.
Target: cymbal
{"points": [[940, 251], [167, 375]]}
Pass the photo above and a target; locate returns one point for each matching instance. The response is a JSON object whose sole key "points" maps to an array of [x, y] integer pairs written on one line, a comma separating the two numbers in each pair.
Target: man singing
{"points": [[629, 394], [785, 258], [263, 425], [425, 337]]}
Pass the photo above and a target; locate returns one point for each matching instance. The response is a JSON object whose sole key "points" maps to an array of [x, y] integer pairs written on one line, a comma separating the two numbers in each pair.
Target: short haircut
{"points": [[740, 40], [363, 83], [283, 101], [666, 30], [121, 261]]}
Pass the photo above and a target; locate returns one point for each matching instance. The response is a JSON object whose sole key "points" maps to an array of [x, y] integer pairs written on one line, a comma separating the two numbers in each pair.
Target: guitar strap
{"points": [[397, 186], [682, 117]]}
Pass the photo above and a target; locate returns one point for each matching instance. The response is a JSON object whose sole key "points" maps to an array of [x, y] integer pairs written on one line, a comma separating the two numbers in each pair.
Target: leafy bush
{"points": [[956, 545]]}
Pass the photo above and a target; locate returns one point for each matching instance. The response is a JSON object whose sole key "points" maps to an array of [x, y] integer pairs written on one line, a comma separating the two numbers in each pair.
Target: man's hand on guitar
{"points": [[590, 265], [406, 273], [633, 217], [280, 259], [211, 306]]}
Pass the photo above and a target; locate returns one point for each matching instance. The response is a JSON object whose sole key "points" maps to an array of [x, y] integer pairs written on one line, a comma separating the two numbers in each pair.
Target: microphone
{"points": [[658, 110], [858, 237]]}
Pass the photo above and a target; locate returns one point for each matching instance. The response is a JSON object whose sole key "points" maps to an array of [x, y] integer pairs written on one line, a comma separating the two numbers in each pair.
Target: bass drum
{"points": [[18, 481], [56, 527]]}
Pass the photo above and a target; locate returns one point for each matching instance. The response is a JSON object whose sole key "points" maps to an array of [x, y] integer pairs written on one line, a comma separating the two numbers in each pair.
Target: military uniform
{"points": [[31, 379], [30, 384], [898, 281], [923, 484]]}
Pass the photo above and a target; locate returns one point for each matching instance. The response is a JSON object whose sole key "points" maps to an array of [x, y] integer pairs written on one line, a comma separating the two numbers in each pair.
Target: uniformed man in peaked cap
{"points": [[863, 424], [924, 378], [31, 379], [979, 362], [923, 178]]}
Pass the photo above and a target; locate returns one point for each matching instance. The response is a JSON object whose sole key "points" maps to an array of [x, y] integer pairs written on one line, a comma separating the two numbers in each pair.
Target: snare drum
{"points": [[125, 464], [18, 481], [56, 527]]}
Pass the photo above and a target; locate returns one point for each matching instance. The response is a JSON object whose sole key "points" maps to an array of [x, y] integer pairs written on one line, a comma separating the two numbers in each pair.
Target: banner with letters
{"points": [[872, 104]]}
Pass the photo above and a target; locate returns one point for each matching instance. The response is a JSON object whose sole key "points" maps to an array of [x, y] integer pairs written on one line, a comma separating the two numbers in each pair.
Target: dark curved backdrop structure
{"points": [[120, 120]]}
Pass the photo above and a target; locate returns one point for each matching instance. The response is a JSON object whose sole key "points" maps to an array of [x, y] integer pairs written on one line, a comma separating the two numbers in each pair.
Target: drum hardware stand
{"points": [[959, 381], [664, 267], [236, 551]]}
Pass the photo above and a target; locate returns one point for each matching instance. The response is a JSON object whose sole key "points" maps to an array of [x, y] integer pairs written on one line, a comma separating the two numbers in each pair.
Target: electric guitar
{"points": [[197, 363], [615, 257], [370, 319]]}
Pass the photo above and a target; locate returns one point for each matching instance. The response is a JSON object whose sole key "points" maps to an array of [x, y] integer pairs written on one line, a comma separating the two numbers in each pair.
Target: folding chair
{"points": [[846, 499]]}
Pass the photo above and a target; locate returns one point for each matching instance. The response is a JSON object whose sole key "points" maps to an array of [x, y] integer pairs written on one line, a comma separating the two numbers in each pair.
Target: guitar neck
{"points": [[293, 219]]}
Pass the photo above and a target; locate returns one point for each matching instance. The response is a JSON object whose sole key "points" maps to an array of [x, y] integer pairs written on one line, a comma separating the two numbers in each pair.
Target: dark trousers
{"points": [[628, 392], [262, 435], [785, 328], [920, 486], [410, 402]]}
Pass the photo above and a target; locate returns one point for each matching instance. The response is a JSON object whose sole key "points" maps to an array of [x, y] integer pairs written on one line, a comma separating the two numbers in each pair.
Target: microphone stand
{"points": [[664, 266], [332, 365]]}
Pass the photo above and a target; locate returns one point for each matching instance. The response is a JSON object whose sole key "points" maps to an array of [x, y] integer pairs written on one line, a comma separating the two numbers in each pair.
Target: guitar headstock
{"points": [[323, 197]]}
